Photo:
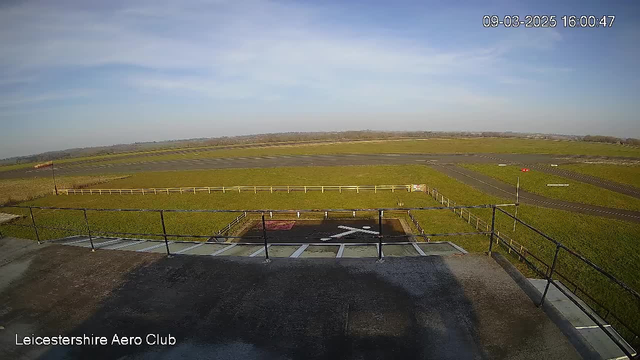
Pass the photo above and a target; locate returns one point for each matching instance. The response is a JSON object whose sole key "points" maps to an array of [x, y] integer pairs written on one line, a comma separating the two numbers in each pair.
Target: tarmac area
{"points": [[325, 231], [435, 307]]}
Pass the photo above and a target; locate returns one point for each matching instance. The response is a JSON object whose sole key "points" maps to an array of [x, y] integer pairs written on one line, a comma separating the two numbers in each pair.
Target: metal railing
{"points": [[225, 230], [535, 263], [493, 234], [239, 188]]}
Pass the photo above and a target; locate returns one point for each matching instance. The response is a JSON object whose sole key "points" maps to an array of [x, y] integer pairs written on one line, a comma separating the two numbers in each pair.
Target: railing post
{"points": [[33, 221], [550, 278], [164, 233], [264, 236], [86, 221], [493, 226], [379, 235]]}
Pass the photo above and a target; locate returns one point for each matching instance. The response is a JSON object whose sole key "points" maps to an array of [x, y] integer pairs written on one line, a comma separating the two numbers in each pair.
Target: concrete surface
{"points": [[584, 326], [451, 307]]}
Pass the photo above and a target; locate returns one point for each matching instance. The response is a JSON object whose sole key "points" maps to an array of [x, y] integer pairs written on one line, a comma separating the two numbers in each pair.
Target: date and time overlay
{"points": [[549, 21]]}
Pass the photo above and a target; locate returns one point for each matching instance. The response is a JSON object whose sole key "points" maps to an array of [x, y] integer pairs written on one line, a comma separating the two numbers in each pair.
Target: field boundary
{"points": [[241, 188]]}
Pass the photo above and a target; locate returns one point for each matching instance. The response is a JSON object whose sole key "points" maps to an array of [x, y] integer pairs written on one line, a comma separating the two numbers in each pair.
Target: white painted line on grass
{"points": [[419, 250], [340, 251], [356, 229], [188, 248], [215, 253], [300, 250], [153, 247]]}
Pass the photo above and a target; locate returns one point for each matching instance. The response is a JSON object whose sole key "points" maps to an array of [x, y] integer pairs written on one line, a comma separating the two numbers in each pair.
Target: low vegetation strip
{"points": [[536, 182], [623, 174], [18, 190], [241, 188]]}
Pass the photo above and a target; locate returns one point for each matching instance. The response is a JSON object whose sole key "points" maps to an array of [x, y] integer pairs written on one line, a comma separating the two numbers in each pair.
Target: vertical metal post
{"points": [[264, 236], [86, 221], [33, 221], [164, 232], [553, 268], [53, 172], [493, 226], [379, 234]]}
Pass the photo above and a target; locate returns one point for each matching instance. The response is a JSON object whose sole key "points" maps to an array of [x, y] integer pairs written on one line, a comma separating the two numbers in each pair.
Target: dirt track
{"points": [[498, 188]]}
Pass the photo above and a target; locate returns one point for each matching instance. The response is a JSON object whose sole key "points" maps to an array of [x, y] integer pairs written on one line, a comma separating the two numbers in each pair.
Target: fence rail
{"points": [[534, 262], [240, 188]]}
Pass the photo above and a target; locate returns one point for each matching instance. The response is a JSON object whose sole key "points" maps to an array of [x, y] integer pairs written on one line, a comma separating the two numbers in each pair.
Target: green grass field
{"points": [[624, 174], [434, 146], [611, 244], [536, 182], [17, 190]]}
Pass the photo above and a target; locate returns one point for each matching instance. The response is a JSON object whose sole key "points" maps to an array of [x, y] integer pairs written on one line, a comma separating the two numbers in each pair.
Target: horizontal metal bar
{"points": [[255, 211]]}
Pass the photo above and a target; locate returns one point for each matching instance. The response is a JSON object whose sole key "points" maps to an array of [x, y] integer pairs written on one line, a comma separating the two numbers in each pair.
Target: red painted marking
{"points": [[278, 224]]}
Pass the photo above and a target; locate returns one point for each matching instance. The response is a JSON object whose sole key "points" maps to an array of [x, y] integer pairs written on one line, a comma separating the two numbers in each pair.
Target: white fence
{"points": [[254, 189]]}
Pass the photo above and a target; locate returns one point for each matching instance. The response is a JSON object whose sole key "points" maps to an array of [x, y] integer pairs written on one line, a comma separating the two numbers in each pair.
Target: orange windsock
{"points": [[44, 165]]}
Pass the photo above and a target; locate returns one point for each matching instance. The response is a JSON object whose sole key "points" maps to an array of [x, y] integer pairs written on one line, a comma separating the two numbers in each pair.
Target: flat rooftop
{"points": [[441, 307]]}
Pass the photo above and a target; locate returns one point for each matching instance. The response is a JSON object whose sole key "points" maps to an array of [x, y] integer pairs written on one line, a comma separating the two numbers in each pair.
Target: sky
{"points": [[90, 73]]}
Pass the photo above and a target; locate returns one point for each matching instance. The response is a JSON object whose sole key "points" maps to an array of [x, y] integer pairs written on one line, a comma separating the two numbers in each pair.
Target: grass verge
{"points": [[536, 182]]}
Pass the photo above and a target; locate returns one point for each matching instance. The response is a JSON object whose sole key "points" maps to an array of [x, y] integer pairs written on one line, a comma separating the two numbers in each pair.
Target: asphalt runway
{"points": [[441, 162], [291, 160], [498, 188]]}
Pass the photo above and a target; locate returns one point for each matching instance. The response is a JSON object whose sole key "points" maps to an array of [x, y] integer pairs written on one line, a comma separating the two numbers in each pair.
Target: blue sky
{"points": [[83, 73]]}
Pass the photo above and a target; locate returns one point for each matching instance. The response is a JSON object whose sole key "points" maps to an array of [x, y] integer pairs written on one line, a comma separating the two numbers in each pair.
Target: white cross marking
{"points": [[351, 230]]}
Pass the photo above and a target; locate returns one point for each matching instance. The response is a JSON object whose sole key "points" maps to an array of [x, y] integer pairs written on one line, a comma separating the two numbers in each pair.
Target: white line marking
{"points": [[215, 253], [356, 229], [419, 250], [106, 243], [259, 251], [188, 248], [457, 247], [340, 251], [75, 242], [153, 247], [300, 250], [125, 245], [591, 327]]}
